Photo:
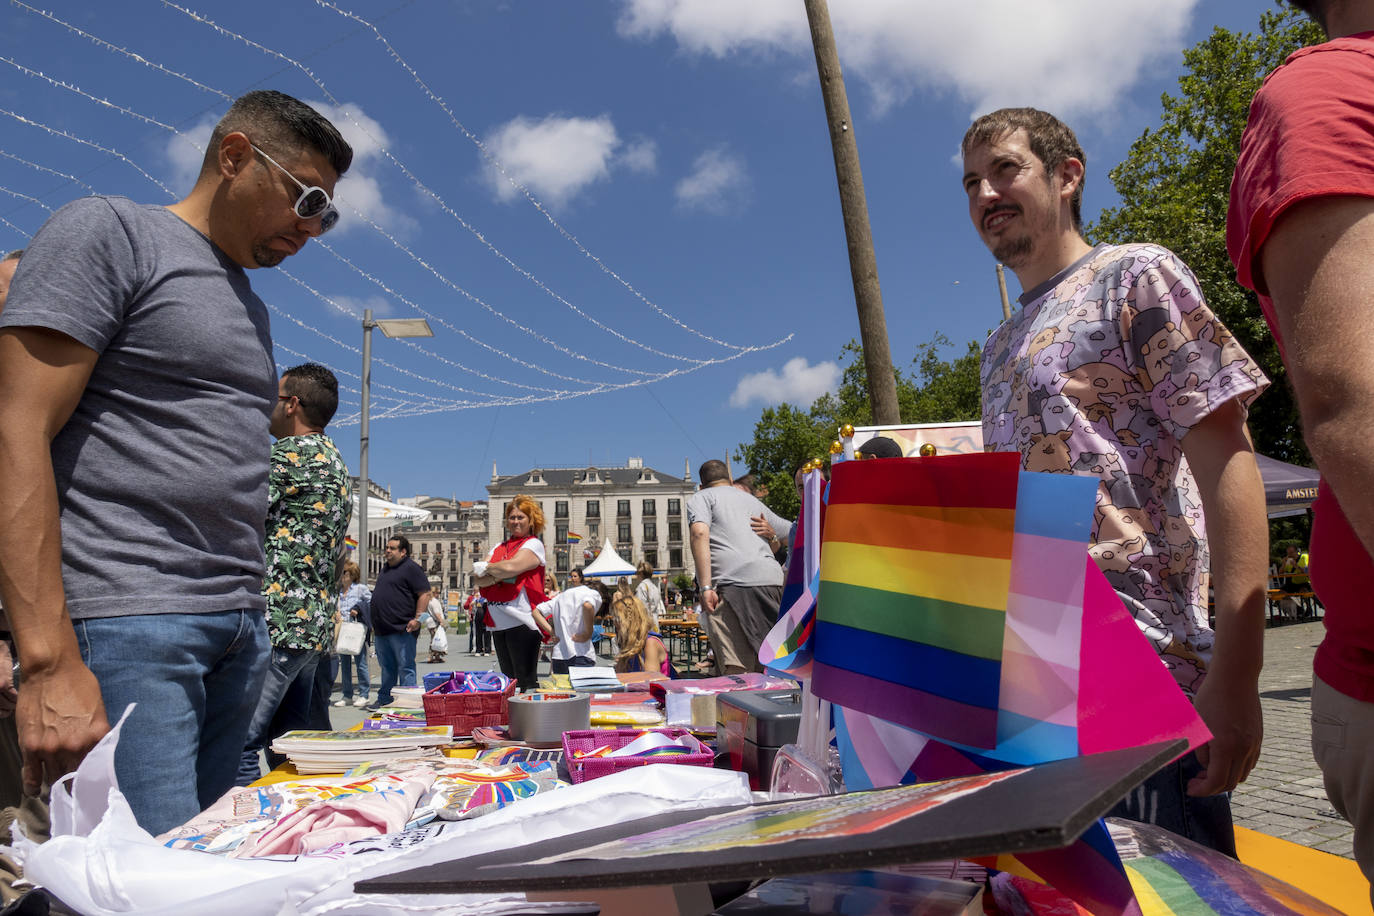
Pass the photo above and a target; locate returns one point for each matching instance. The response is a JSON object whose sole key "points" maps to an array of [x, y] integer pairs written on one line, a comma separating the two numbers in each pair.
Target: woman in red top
{"points": [[512, 581]]}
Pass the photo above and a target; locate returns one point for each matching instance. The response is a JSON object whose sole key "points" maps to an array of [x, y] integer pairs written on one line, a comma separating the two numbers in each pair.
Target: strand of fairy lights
{"points": [[33, 200], [60, 84], [230, 34], [517, 185], [554, 395], [51, 171], [395, 242]]}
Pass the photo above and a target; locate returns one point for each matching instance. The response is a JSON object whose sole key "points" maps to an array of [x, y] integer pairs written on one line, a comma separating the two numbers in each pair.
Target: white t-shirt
{"points": [[649, 596], [516, 612], [566, 611]]}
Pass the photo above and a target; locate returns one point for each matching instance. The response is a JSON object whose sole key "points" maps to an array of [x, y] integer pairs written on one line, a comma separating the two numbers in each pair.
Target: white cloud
{"points": [[989, 53], [640, 156], [717, 183], [556, 158], [186, 151], [797, 383]]}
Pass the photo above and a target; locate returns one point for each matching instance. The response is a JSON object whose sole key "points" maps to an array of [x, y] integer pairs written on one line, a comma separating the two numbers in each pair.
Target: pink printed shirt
{"points": [[1103, 371]]}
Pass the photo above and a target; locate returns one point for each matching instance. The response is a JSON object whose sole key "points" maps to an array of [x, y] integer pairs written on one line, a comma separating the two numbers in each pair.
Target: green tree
{"points": [[1175, 185], [785, 437]]}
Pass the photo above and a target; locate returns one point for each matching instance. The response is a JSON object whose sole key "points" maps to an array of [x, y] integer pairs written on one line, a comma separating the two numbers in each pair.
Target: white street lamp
{"points": [[391, 327]]}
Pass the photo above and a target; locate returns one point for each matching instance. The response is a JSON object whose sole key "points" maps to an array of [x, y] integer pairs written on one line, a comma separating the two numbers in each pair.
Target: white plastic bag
{"points": [[352, 635]]}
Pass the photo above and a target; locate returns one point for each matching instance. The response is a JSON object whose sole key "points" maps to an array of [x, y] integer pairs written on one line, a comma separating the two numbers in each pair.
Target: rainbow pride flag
{"points": [[574, 538], [786, 650], [351, 543], [915, 574]]}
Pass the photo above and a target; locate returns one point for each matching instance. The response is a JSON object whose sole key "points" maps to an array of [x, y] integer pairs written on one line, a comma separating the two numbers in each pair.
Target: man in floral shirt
{"points": [[310, 503]]}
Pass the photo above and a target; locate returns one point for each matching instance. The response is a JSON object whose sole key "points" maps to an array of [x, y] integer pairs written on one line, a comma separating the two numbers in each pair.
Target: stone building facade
{"points": [[641, 510]]}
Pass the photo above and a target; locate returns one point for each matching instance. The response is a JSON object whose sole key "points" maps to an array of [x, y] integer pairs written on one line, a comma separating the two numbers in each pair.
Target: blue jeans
{"points": [[196, 678], [346, 665], [396, 656], [287, 666], [1163, 800]]}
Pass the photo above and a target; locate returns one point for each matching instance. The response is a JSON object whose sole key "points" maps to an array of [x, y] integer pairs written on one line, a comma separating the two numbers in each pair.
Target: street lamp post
{"points": [[391, 327]]}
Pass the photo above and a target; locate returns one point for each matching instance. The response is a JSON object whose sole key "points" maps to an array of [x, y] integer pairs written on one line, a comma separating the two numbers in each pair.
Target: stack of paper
{"points": [[408, 697], [593, 679], [313, 752]]}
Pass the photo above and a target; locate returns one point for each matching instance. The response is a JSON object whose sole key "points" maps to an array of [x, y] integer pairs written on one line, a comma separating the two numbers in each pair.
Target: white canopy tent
{"points": [[607, 565], [382, 515]]}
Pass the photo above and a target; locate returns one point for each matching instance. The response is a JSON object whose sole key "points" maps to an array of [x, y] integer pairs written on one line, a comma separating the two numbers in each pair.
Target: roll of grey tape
{"points": [[543, 717]]}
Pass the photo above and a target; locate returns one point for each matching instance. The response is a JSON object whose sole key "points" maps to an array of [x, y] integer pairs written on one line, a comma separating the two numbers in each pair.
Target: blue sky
{"points": [[620, 218]]}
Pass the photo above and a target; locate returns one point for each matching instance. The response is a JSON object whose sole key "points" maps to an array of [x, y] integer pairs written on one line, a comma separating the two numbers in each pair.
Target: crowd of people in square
{"points": [[172, 552]]}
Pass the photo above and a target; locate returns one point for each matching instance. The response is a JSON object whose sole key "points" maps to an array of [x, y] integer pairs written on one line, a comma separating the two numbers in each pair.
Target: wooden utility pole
{"points": [[1002, 289], [863, 265]]}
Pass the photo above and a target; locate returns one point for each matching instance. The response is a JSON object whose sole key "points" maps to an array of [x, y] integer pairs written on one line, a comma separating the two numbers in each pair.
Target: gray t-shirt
{"points": [[738, 555], [162, 469]]}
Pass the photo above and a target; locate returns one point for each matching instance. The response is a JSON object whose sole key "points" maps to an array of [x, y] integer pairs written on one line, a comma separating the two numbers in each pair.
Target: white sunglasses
{"points": [[314, 201]]}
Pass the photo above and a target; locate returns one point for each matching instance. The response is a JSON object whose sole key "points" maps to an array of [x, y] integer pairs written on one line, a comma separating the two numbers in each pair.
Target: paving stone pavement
{"points": [[1284, 796]]}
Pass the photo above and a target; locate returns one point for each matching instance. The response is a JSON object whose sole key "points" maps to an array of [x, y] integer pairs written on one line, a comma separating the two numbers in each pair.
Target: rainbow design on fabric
{"points": [[915, 574], [574, 538]]}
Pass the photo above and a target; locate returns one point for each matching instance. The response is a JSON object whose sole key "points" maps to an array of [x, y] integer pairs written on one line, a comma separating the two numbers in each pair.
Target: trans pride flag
{"points": [[786, 650]]}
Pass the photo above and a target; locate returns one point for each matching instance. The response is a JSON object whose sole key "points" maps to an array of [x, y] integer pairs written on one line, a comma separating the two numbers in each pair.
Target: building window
{"points": [[649, 508], [674, 530], [560, 535], [651, 557], [424, 547], [476, 547], [560, 509], [593, 508], [622, 508], [623, 532], [452, 546], [561, 559], [453, 564], [593, 531], [675, 557], [650, 532], [674, 507]]}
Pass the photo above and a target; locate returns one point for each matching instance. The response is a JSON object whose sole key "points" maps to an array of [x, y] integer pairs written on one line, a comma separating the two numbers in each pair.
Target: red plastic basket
{"points": [[580, 770], [466, 711]]}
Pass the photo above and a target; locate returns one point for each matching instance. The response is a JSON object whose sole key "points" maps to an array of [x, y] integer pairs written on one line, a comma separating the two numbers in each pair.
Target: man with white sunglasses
{"points": [[136, 385]]}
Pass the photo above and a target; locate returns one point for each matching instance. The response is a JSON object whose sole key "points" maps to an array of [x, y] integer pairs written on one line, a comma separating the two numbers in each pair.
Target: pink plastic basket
{"points": [[580, 770], [466, 711]]}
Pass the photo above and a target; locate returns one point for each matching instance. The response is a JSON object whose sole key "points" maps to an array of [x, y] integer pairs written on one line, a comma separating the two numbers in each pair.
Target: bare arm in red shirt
{"points": [[1318, 264]]}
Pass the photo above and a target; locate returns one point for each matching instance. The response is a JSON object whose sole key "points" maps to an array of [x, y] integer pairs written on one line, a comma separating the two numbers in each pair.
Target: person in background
{"points": [[573, 612], [355, 603], [399, 600], [641, 648], [438, 635], [1114, 365], [512, 581], [647, 591], [310, 504], [738, 580], [1298, 231]]}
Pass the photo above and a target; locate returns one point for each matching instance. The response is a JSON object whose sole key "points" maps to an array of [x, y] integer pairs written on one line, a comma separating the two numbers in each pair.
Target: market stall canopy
{"points": [[383, 514], [607, 565], [1288, 488]]}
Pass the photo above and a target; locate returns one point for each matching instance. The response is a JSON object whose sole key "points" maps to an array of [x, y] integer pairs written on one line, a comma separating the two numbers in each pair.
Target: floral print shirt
{"points": [[1103, 371], [310, 504]]}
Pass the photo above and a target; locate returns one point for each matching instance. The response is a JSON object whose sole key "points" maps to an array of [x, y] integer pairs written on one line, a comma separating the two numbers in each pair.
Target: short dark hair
{"points": [[881, 447], [713, 470], [277, 122], [1051, 141], [316, 389], [14, 255], [401, 541]]}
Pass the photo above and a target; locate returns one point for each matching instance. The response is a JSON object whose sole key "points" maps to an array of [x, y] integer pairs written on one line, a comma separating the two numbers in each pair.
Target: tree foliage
{"points": [[785, 437], [1175, 186]]}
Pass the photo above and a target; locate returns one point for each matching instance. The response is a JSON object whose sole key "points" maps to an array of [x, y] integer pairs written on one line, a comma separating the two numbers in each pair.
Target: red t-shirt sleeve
{"points": [[1310, 134]]}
